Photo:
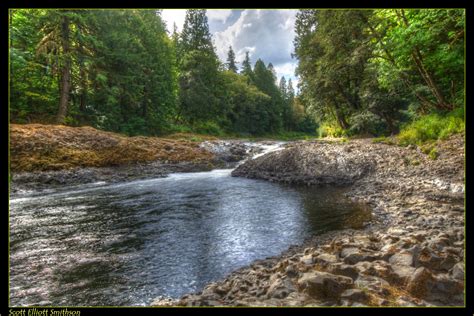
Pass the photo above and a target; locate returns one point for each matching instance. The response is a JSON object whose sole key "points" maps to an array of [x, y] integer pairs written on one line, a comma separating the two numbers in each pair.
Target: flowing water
{"points": [[125, 244]]}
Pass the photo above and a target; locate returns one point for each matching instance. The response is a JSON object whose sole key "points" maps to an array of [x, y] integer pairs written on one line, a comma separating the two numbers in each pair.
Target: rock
{"points": [[349, 251], [439, 243], [428, 259], [355, 295], [420, 283], [457, 272], [402, 273], [325, 259], [377, 268], [448, 262], [162, 301], [308, 164], [324, 285], [280, 288], [374, 284], [402, 258], [404, 301], [291, 271], [345, 270], [308, 251], [447, 287], [307, 259], [353, 258]]}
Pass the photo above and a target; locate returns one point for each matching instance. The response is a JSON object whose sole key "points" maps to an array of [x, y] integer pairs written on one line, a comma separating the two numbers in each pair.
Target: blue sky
{"points": [[266, 34]]}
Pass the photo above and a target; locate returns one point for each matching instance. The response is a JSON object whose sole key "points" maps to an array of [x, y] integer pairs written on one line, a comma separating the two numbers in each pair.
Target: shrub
{"points": [[432, 127], [330, 130], [433, 154], [209, 128]]}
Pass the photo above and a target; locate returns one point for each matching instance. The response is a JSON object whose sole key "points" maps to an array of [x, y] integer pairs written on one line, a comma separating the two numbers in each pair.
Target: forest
{"points": [[361, 72]]}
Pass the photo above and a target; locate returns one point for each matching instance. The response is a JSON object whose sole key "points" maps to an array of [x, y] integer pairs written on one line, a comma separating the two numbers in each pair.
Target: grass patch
{"points": [[432, 127], [190, 137], [383, 140], [433, 154]]}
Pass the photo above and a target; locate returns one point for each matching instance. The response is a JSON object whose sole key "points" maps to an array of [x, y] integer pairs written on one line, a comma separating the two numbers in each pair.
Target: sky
{"points": [[265, 34]]}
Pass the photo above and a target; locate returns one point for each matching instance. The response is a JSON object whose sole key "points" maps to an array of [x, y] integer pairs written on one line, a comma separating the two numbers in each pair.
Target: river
{"points": [[125, 244]]}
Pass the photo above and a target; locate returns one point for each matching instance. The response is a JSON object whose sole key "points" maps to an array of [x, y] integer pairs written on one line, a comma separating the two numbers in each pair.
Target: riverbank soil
{"points": [[46, 156], [36, 147], [410, 254]]}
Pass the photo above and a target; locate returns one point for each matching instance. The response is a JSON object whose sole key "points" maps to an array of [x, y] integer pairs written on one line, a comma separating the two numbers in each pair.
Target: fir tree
{"points": [[231, 64]]}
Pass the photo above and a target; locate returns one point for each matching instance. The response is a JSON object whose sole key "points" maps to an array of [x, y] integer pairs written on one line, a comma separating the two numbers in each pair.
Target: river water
{"points": [[125, 244]]}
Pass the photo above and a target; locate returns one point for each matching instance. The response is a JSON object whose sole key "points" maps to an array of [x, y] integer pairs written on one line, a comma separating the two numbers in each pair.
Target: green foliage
{"points": [[332, 61], [231, 63], [433, 154], [123, 76], [423, 49], [362, 72], [199, 81], [198, 87], [431, 127], [331, 130], [246, 105], [209, 128], [370, 70], [383, 140]]}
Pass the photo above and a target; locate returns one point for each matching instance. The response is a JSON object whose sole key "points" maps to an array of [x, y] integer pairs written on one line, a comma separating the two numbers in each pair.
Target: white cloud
{"points": [[269, 32], [171, 16], [219, 15], [287, 70], [265, 34]]}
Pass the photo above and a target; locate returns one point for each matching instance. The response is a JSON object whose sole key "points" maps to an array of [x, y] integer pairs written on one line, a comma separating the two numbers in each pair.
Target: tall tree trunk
{"points": [[65, 84], [83, 95], [425, 74], [339, 117]]}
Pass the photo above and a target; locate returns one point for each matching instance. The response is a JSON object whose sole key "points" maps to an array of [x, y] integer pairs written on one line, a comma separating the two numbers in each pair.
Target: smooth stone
{"points": [[402, 258], [323, 284]]}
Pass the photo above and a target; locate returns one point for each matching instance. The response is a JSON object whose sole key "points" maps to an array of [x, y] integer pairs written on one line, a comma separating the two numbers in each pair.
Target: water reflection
{"points": [[128, 243]]}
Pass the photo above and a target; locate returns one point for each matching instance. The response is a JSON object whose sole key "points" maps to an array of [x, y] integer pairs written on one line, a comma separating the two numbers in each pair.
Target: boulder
{"points": [[344, 269], [457, 272], [307, 259], [374, 284], [308, 164], [420, 283], [355, 295], [402, 258], [325, 259], [427, 258], [280, 287], [402, 273], [324, 285]]}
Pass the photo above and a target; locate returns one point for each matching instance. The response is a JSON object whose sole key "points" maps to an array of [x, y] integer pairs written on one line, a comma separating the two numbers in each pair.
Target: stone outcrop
{"points": [[312, 163]]}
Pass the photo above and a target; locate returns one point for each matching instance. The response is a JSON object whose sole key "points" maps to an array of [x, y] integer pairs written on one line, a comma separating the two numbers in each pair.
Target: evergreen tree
{"points": [[62, 43], [199, 77], [271, 69], [247, 68], [290, 91], [264, 80], [283, 87], [231, 64], [195, 34]]}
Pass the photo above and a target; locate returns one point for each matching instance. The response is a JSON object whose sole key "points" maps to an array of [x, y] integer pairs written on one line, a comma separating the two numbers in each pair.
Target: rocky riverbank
{"points": [[410, 254], [51, 156]]}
